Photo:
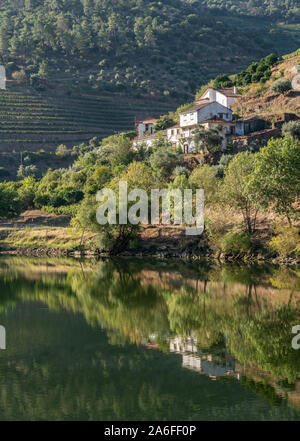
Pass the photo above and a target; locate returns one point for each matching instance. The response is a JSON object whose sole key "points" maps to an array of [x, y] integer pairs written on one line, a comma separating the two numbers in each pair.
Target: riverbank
{"points": [[154, 241]]}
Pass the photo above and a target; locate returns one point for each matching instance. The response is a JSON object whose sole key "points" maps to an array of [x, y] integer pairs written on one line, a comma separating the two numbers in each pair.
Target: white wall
{"points": [[210, 111], [188, 119], [214, 110], [142, 129], [214, 95]]}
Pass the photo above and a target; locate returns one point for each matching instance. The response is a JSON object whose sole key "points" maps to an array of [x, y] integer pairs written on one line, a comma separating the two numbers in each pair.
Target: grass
{"points": [[46, 238]]}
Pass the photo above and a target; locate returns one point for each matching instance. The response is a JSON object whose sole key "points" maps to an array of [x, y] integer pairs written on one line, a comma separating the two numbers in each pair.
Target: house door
{"points": [[185, 149]]}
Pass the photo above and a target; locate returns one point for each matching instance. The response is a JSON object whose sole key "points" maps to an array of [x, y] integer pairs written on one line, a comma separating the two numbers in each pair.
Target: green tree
{"points": [[236, 190], [164, 160], [204, 177], [117, 150], [276, 177], [207, 140]]}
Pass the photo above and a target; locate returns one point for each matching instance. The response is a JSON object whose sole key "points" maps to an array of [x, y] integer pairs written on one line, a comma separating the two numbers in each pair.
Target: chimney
{"points": [[235, 90]]}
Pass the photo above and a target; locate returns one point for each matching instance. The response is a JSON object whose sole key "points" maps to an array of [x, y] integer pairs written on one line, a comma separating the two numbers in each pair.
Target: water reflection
{"points": [[227, 323]]}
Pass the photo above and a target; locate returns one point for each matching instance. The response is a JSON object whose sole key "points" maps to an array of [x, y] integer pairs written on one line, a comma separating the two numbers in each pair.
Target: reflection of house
{"points": [[181, 345], [205, 364]]}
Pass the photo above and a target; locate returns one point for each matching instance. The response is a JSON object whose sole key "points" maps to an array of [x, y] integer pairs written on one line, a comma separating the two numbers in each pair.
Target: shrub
{"points": [[291, 128], [281, 86], [19, 76], [62, 150], [222, 81], [179, 170], [286, 241], [236, 243]]}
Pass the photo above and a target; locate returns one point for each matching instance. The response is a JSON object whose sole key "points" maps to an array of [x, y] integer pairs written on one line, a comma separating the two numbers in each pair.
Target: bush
{"points": [[281, 86], [236, 243], [62, 150], [179, 170], [19, 76], [286, 242], [291, 128]]}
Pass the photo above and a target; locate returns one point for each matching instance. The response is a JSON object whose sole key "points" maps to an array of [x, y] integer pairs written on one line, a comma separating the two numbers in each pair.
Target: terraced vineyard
{"points": [[32, 121]]}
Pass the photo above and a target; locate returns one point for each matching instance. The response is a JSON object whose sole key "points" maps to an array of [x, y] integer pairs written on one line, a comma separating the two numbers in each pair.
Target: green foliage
{"points": [[10, 205], [236, 190], [209, 140], [117, 150], [204, 177], [26, 171], [236, 243], [257, 71], [222, 82], [286, 241], [292, 129], [164, 122], [276, 177], [179, 170], [281, 86], [62, 150], [139, 46], [223, 163], [163, 161]]}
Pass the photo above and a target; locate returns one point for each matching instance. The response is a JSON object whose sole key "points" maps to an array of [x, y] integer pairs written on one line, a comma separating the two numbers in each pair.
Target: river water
{"points": [[148, 340]]}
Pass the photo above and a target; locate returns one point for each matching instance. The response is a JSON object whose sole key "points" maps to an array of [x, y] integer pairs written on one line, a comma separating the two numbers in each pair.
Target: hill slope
{"points": [[30, 120], [259, 99], [140, 46]]}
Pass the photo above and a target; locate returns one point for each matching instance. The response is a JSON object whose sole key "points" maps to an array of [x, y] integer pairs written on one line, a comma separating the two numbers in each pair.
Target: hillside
{"points": [[259, 100], [140, 47], [31, 120]]}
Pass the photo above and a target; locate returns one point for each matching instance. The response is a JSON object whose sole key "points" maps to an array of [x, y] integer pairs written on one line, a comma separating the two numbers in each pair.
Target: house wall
{"points": [[173, 134], [214, 110], [188, 119], [144, 129], [214, 95], [211, 110]]}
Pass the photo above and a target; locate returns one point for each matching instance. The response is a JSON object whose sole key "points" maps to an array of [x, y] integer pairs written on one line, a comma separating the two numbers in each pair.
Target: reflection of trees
{"points": [[112, 295]]}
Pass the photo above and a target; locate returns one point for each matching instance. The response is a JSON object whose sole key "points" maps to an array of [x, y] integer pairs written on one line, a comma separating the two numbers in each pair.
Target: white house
{"points": [[145, 127], [225, 97], [214, 109], [205, 113], [204, 110]]}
